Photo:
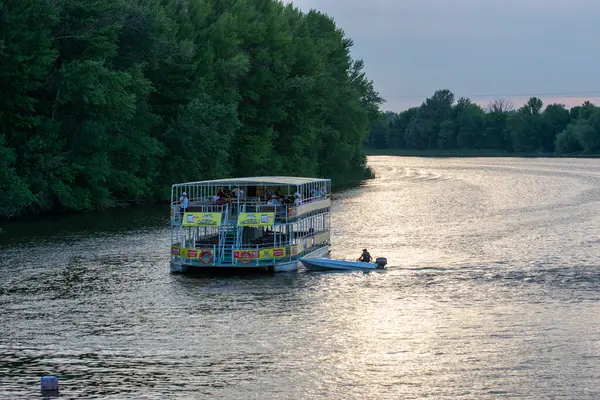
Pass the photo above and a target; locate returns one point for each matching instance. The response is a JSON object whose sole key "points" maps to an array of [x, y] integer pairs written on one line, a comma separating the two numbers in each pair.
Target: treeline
{"points": [[111, 101], [443, 123]]}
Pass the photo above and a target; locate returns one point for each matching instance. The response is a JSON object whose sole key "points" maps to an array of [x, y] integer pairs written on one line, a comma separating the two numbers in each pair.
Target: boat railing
{"points": [[251, 204], [189, 254], [308, 245], [254, 260]]}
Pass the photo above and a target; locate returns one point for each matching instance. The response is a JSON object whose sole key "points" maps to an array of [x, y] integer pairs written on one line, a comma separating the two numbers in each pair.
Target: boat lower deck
{"points": [[283, 265]]}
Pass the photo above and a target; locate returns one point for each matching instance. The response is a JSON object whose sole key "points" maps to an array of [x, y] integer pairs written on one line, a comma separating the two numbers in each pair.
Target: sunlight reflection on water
{"points": [[492, 291]]}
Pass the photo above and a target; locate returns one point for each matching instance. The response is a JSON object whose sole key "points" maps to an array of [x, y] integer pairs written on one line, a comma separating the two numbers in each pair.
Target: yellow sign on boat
{"points": [[176, 251], [201, 219], [191, 253], [297, 249], [256, 219], [260, 254], [273, 253]]}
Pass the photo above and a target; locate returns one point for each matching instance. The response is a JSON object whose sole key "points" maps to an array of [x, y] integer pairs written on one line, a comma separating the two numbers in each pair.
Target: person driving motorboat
{"points": [[365, 256]]}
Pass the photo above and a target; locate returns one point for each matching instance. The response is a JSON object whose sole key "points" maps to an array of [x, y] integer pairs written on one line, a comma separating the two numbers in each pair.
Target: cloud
{"points": [[509, 48]]}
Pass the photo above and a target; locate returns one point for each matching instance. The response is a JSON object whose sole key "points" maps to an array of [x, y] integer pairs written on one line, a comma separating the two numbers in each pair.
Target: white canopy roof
{"points": [[256, 180]]}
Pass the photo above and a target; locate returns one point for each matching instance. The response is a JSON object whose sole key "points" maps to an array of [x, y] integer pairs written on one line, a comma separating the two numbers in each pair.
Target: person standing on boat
{"points": [[183, 204], [365, 256], [298, 198]]}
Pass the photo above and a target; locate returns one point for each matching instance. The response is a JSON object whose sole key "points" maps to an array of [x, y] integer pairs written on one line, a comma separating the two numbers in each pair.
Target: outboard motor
{"points": [[381, 262]]}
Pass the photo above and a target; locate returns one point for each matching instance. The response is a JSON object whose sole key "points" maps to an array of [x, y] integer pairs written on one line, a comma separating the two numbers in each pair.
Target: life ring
{"points": [[210, 258], [244, 258]]}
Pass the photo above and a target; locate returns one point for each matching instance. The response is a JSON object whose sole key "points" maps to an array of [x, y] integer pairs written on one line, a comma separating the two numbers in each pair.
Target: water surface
{"points": [[493, 291]]}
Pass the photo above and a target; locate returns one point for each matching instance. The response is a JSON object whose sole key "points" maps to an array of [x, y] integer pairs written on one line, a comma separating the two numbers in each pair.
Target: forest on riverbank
{"points": [[443, 124], [107, 102]]}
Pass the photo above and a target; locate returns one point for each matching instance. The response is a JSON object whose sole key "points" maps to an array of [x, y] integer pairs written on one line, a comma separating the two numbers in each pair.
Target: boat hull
{"points": [[293, 265], [327, 264]]}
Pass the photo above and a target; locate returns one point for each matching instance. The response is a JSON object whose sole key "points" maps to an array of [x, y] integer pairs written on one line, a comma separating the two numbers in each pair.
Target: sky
{"points": [[480, 49]]}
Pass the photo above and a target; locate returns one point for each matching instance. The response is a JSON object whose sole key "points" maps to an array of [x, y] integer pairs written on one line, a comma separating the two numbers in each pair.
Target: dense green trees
{"points": [[108, 101], [443, 123]]}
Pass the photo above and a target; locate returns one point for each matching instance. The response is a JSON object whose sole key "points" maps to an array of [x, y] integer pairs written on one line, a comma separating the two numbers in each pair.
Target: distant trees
{"points": [[443, 123], [105, 101]]}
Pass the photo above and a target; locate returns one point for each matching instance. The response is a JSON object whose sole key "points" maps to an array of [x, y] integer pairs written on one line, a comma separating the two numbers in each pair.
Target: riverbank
{"points": [[469, 153]]}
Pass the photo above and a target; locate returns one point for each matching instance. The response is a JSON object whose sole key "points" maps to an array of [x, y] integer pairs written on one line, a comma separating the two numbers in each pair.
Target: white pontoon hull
{"points": [[326, 263], [293, 265]]}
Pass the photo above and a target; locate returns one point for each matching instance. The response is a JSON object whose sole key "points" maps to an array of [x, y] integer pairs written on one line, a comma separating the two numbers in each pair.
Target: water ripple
{"points": [[492, 292]]}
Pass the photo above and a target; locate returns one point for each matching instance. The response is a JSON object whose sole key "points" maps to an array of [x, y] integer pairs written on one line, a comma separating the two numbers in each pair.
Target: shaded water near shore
{"points": [[493, 291]]}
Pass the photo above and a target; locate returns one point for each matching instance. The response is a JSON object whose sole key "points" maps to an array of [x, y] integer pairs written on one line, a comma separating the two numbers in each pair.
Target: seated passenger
{"points": [[365, 256]]}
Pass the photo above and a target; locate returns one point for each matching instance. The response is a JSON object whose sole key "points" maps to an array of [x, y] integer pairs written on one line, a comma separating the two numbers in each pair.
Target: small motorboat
{"points": [[327, 263]]}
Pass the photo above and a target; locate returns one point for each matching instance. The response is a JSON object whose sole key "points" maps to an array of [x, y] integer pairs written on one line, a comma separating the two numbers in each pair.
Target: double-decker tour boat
{"points": [[267, 223]]}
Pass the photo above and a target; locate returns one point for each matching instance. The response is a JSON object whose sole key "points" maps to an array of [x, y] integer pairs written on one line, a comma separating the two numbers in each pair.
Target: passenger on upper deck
{"points": [[183, 203], [323, 191], [220, 197], [274, 201], [268, 195], [298, 198]]}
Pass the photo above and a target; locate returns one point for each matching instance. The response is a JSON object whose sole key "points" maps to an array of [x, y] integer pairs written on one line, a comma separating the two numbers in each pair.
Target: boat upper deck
{"points": [[287, 197]]}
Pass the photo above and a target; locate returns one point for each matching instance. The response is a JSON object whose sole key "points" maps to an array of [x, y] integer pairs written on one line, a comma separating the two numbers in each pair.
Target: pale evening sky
{"points": [[481, 49]]}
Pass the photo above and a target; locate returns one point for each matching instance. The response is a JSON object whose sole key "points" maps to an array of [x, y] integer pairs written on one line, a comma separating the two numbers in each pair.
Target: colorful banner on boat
{"points": [[246, 255], [201, 219], [273, 253], [259, 254], [176, 251], [256, 219], [191, 253], [297, 249]]}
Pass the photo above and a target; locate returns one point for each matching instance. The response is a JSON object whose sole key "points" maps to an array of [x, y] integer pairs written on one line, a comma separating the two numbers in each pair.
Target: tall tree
{"points": [[106, 102]]}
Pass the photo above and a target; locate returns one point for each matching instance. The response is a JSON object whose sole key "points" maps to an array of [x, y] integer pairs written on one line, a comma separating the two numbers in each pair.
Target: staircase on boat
{"points": [[227, 239]]}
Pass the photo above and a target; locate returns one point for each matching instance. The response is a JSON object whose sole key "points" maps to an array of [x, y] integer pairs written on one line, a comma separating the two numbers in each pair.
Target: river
{"points": [[492, 291]]}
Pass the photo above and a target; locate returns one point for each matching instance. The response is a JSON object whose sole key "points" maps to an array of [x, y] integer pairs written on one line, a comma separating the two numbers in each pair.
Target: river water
{"points": [[493, 291]]}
